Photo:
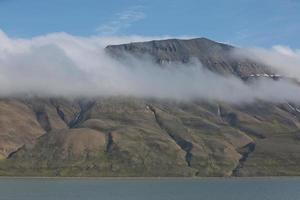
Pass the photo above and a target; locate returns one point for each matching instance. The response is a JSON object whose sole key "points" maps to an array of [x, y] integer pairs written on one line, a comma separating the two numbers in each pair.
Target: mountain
{"points": [[215, 56], [127, 136]]}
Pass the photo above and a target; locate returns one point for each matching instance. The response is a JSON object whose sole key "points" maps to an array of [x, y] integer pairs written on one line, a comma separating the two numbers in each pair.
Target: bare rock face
{"points": [[215, 56], [126, 136]]}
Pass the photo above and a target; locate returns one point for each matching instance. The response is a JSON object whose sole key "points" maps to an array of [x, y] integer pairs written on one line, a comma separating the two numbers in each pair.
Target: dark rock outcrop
{"points": [[215, 56]]}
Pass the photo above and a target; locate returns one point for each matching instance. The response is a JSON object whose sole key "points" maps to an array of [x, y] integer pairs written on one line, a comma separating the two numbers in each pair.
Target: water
{"points": [[150, 189]]}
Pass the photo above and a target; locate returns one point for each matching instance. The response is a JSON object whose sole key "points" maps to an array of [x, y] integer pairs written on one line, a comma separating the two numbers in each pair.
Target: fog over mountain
{"points": [[282, 58], [60, 64], [141, 106]]}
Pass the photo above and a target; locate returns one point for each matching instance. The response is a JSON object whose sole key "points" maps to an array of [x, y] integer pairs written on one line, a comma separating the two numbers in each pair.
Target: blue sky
{"points": [[242, 22]]}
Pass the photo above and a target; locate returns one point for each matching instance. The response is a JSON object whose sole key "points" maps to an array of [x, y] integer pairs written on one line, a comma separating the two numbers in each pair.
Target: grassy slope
{"points": [[137, 137]]}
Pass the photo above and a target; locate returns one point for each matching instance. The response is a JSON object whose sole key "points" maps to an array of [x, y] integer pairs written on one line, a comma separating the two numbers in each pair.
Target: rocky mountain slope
{"points": [[126, 136], [215, 56]]}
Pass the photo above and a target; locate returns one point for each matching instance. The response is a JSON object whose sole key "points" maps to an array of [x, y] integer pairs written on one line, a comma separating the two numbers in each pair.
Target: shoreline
{"points": [[148, 178]]}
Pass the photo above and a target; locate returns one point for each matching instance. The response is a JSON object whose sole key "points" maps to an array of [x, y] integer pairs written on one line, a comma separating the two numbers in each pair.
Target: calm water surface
{"points": [[150, 189]]}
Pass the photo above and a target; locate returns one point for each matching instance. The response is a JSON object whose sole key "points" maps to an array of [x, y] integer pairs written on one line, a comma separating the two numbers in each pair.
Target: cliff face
{"points": [[121, 136]]}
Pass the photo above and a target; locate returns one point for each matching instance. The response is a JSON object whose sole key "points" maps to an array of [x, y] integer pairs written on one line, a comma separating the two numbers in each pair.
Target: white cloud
{"points": [[123, 20], [64, 65], [282, 59]]}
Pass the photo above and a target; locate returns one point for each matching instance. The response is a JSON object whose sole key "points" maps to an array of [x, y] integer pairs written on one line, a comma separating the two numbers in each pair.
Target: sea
{"points": [[280, 188]]}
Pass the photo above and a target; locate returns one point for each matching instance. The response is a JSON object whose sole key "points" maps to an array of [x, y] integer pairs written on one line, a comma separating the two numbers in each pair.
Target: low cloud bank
{"points": [[64, 65], [282, 59]]}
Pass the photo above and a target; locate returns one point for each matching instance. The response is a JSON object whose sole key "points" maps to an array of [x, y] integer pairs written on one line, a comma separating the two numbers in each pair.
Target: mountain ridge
{"points": [[215, 56]]}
